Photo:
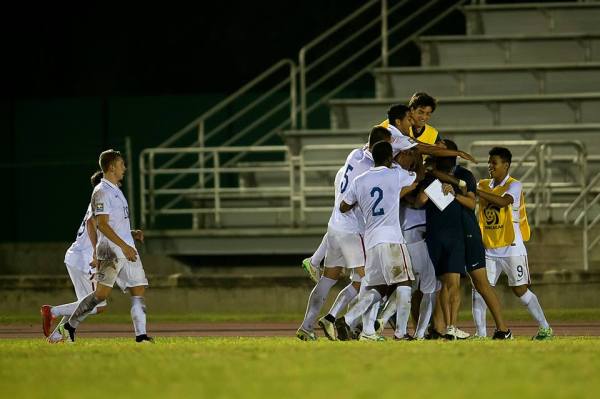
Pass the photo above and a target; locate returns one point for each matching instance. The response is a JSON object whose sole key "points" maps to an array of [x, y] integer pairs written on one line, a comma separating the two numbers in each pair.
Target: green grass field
{"points": [[286, 368]]}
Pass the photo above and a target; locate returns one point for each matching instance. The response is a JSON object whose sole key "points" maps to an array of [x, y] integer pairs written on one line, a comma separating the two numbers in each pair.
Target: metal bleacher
{"points": [[526, 75]]}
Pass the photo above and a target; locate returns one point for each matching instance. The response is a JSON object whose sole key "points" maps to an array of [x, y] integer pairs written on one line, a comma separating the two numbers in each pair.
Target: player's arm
{"points": [[443, 152], [102, 221], [408, 189], [446, 178], [93, 236], [497, 200], [467, 200], [344, 207], [421, 199]]}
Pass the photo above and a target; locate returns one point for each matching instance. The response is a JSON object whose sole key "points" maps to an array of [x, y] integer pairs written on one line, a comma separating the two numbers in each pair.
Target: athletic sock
{"points": [[369, 317], [530, 300], [84, 308], [479, 309], [366, 298], [402, 309], [138, 315], [425, 310], [67, 309], [390, 307], [315, 302], [343, 299], [319, 254]]}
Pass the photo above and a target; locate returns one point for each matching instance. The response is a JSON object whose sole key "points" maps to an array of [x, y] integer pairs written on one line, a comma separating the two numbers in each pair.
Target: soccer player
{"points": [[377, 194], [504, 228], [118, 260], [344, 246], [81, 266]]}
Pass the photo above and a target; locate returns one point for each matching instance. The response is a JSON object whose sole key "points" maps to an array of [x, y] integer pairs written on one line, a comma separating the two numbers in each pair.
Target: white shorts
{"points": [[82, 283], [425, 280], [344, 249], [125, 273], [515, 267], [388, 264]]}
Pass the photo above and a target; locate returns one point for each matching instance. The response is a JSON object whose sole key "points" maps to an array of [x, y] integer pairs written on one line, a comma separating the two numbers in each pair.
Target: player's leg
{"points": [[517, 269], [317, 298], [312, 265], [132, 278], [479, 309], [482, 286], [427, 284], [400, 273]]}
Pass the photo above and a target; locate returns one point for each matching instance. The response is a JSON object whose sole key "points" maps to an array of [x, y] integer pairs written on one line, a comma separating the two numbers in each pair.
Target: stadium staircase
{"points": [[254, 174]]}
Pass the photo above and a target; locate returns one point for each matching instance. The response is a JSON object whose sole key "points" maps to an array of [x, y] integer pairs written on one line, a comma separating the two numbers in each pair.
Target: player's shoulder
{"points": [[514, 184], [356, 154]]}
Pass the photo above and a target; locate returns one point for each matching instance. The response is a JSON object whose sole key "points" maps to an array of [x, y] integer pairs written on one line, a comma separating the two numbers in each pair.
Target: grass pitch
{"points": [[286, 367]]}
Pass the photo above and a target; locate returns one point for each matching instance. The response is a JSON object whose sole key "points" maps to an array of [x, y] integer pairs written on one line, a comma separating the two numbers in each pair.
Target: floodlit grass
{"points": [[286, 368], [552, 315]]}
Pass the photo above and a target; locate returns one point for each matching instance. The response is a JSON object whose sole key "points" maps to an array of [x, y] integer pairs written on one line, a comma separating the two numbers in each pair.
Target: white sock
{"points": [[389, 308], [530, 300], [425, 310], [138, 315], [366, 298], [319, 254], [67, 309], [404, 294], [479, 309], [315, 302], [369, 317], [343, 299], [84, 307]]}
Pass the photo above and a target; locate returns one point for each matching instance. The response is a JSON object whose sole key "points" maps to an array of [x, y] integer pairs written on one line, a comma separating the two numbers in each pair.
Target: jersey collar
{"points": [[503, 182], [110, 184]]}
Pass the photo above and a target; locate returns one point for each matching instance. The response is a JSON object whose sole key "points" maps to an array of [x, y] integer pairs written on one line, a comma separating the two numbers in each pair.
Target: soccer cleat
{"points": [[70, 330], [304, 335], [46, 312], [406, 337], [543, 334], [144, 339], [454, 333], [328, 328], [500, 335], [433, 334], [58, 335], [313, 272], [371, 337], [476, 337], [344, 332]]}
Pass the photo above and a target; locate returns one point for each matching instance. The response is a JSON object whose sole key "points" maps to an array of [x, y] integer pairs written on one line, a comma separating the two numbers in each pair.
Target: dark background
{"points": [[77, 78]]}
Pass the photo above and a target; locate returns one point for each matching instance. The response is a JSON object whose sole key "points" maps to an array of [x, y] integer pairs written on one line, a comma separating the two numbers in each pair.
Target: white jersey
{"points": [[515, 190], [79, 254], [400, 142], [108, 199], [377, 193], [411, 218], [358, 162]]}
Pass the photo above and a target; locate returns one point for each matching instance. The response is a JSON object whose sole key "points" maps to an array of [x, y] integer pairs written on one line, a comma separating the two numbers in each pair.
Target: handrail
{"points": [[304, 68]]}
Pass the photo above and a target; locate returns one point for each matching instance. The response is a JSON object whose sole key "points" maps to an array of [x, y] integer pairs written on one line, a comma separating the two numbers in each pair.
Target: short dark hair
{"points": [[421, 99], [503, 153], [397, 111], [107, 158], [446, 163], [96, 177], [378, 133], [451, 145], [382, 152]]}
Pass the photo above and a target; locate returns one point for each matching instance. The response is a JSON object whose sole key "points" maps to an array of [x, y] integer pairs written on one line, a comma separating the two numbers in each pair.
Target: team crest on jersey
{"points": [[99, 207]]}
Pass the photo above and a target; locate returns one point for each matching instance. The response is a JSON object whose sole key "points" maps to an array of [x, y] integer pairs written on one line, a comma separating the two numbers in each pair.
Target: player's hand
{"points": [[462, 185], [467, 156], [129, 252], [447, 188], [94, 262], [138, 235]]}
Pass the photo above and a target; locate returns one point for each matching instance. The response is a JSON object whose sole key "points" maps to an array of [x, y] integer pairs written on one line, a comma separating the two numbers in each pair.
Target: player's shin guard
{"points": [[425, 310], [403, 309], [138, 315], [315, 302], [343, 299], [530, 300], [479, 309], [366, 298], [84, 308]]}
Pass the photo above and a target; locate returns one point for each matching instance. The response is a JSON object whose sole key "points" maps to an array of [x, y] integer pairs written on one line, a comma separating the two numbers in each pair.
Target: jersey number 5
{"points": [[344, 185], [379, 192]]}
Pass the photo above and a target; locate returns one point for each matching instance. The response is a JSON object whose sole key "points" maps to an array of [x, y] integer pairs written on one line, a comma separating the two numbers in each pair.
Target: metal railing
{"points": [[211, 201], [585, 207], [535, 163]]}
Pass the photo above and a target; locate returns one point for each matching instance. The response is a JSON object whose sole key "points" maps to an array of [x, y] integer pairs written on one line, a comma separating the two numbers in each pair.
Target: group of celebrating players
{"points": [[406, 243]]}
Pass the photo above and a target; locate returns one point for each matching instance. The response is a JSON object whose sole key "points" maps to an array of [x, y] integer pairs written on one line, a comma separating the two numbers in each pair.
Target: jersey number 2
{"points": [[379, 192]]}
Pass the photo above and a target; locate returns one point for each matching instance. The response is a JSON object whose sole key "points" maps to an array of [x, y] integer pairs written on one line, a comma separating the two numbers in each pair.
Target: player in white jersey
{"points": [[118, 260], [377, 194], [81, 266], [344, 247]]}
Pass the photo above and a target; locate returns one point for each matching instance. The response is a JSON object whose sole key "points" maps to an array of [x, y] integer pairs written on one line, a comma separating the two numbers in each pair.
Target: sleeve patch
{"points": [[99, 207]]}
